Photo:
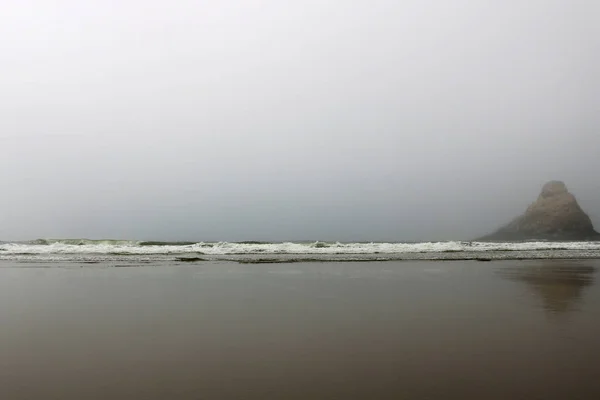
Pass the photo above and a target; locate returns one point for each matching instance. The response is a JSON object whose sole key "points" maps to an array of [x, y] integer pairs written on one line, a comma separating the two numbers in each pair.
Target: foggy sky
{"points": [[274, 120]]}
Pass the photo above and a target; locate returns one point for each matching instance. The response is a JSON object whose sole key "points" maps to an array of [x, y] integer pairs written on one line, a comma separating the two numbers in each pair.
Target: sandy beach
{"points": [[222, 330]]}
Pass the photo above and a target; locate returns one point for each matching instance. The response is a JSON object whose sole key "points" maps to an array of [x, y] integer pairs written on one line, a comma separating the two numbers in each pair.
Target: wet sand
{"points": [[219, 330]]}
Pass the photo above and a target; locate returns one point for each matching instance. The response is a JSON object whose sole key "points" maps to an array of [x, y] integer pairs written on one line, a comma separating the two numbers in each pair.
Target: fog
{"points": [[272, 120]]}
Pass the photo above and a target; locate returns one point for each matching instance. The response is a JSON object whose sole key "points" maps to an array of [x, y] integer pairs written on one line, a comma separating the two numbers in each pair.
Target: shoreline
{"points": [[193, 258]]}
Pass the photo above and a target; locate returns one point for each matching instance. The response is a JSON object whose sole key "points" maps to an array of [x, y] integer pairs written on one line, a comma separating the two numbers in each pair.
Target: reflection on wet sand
{"points": [[560, 284], [225, 331]]}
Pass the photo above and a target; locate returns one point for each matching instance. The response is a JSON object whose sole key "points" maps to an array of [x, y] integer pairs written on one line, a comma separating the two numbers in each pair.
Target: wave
{"points": [[116, 242], [155, 243], [84, 242], [128, 247]]}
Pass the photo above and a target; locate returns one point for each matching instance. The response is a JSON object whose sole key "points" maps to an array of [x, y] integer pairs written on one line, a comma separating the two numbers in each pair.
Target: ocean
{"points": [[84, 319], [88, 251]]}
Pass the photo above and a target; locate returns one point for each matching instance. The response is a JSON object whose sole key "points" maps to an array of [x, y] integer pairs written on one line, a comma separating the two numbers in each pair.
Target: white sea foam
{"points": [[228, 248]]}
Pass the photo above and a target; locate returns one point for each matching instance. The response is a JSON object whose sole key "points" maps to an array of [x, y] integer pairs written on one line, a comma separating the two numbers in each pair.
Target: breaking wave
{"points": [[128, 247]]}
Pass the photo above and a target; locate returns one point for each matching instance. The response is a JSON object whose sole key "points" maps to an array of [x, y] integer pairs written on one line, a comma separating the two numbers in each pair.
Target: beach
{"points": [[304, 330]]}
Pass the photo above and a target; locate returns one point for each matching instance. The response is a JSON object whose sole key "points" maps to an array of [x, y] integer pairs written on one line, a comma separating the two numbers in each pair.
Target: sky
{"points": [[306, 120]]}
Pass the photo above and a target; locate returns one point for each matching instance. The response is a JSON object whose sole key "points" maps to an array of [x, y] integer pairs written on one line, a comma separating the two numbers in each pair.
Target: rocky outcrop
{"points": [[555, 215]]}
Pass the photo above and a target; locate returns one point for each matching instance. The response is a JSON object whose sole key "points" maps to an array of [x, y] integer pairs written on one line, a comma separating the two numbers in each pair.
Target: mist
{"points": [[263, 120]]}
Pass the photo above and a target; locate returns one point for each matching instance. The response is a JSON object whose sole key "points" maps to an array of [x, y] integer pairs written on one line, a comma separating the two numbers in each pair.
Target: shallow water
{"points": [[222, 330]]}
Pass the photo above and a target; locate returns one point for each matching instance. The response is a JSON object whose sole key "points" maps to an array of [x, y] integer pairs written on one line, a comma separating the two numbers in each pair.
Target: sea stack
{"points": [[555, 215]]}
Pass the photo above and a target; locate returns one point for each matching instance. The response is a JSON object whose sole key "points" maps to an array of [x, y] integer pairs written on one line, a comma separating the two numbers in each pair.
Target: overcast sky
{"points": [[311, 119]]}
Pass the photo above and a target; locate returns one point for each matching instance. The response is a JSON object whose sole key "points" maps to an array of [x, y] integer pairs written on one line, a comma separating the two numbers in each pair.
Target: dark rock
{"points": [[555, 215], [190, 259]]}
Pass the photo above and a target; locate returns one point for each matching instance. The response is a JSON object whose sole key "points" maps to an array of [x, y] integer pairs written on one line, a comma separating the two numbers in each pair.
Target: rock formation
{"points": [[555, 215]]}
